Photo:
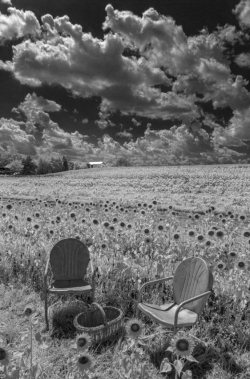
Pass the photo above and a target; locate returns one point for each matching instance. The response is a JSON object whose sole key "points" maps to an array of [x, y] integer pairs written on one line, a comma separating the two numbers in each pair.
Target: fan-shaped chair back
{"points": [[69, 259], [192, 278]]}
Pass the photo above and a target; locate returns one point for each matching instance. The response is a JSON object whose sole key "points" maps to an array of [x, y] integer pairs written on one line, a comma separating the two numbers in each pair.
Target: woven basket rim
{"points": [[99, 327]]}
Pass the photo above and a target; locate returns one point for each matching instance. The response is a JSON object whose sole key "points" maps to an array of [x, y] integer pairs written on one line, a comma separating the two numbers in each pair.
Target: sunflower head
{"points": [[221, 265], [28, 311], [83, 341], [134, 328], [4, 357], [84, 362], [182, 344]]}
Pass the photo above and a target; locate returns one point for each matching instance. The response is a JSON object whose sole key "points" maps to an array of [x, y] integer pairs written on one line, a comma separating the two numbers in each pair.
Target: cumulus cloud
{"points": [[39, 134], [243, 60], [170, 77], [90, 66], [237, 131], [18, 24], [125, 134], [242, 11], [5, 2], [135, 122], [14, 139]]}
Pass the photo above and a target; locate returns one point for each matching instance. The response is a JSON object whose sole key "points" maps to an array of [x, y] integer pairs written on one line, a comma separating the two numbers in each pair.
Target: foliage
{"points": [[132, 242], [29, 167], [65, 164], [122, 162], [6, 158], [15, 166]]}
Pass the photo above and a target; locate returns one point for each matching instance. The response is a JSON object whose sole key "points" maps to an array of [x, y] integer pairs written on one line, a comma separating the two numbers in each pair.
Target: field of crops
{"points": [[139, 224], [184, 186]]}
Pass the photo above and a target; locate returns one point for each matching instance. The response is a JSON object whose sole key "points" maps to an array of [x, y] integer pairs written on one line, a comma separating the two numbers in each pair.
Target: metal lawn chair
{"points": [[68, 259], [192, 285]]}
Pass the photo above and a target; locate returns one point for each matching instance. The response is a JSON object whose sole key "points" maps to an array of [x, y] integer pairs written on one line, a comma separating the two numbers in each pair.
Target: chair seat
{"points": [[164, 314], [69, 286]]}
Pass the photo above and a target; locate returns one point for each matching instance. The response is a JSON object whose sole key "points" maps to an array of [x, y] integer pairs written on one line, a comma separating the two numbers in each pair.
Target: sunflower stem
{"points": [[132, 362], [31, 374]]}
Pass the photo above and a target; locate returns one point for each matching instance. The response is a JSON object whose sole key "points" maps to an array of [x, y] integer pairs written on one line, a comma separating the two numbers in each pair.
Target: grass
{"points": [[126, 257]]}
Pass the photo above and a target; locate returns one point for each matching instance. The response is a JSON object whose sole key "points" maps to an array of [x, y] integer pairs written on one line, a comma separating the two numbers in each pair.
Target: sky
{"points": [[156, 82]]}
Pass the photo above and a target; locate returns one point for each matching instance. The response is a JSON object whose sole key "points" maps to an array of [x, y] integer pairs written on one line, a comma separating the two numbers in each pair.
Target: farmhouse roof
{"points": [[95, 162]]}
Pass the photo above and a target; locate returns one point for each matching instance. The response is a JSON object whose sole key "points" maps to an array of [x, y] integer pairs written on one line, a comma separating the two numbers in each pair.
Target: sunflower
{"points": [[246, 234], [191, 233], [4, 357], [83, 341], [200, 237], [232, 254], [221, 265], [84, 362], [219, 234], [241, 265], [182, 344], [28, 311], [134, 328], [210, 233]]}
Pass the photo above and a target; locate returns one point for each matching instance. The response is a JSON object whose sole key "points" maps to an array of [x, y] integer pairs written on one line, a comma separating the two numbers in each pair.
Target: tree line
{"points": [[43, 164]]}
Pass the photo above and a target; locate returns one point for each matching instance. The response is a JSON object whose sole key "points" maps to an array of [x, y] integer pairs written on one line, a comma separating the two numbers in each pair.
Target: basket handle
{"points": [[102, 312]]}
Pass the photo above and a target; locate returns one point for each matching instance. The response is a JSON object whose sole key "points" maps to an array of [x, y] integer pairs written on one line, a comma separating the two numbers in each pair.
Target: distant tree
{"points": [[29, 167], [15, 166], [71, 165], [56, 162], [43, 166], [122, 162], [7, 157], [65, 164]]}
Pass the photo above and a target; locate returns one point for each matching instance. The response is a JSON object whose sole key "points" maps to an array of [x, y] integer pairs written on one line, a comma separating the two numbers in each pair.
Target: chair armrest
{"points": [[46, 268], [185, 302], [46, 274], [152, 282]]}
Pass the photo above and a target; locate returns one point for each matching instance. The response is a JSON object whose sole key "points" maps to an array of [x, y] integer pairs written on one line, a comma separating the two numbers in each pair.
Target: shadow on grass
{"points": [[206, 357], [62, 326]]}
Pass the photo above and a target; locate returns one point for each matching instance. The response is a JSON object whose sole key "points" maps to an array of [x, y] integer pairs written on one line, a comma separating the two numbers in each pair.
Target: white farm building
{"points": [[95, 164]]}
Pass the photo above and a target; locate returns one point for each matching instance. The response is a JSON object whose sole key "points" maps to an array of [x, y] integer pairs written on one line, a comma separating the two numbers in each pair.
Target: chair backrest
{"points": [[69, 259], [192, 277]]}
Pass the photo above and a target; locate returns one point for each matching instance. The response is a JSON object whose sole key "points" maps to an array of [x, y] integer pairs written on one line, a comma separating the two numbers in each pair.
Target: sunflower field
{"points": [[138, 224]]}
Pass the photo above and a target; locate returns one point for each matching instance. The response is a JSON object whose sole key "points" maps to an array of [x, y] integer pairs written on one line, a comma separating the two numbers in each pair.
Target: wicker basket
{"points": [[100, 323]]}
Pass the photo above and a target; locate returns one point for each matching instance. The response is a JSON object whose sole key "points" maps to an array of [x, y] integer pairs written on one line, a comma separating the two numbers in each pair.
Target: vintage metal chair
{"points": [[192, 285], [68, 259]]}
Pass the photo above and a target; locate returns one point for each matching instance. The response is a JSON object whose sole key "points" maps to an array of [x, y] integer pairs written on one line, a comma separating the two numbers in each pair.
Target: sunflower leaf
{"points": [[190, 358], [178, 366], [165, 366]]}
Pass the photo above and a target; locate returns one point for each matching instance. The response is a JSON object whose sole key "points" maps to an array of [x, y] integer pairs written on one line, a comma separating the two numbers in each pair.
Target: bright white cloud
{"points": [[18, 24], [242, 10], [85, 121], [237, 130], [125, 134], [243, 60], [5, 2]]}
